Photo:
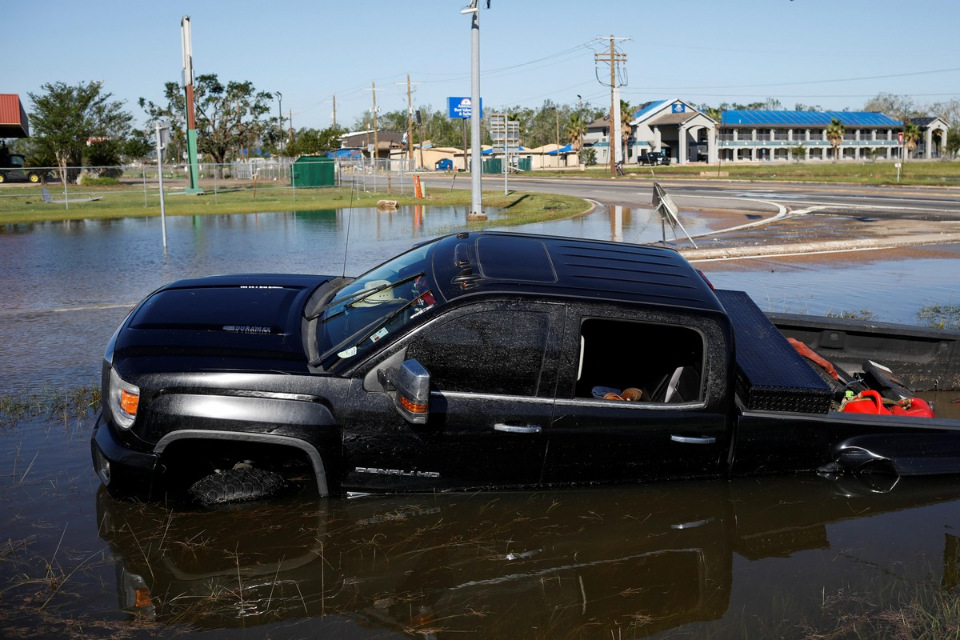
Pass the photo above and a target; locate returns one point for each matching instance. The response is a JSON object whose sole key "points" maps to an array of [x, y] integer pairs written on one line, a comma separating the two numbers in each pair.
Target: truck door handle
{"points": [[694, 439], [516, 428]]}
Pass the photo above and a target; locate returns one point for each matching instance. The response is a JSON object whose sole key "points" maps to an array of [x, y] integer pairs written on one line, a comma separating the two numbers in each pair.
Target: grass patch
{"points": [[929, 612], [863, 172], [862, 315], [24, 204], [48, 402], [941, 316]]}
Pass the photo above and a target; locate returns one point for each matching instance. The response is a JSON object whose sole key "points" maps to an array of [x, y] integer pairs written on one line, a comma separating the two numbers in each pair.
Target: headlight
{"points": [[124, 399]]}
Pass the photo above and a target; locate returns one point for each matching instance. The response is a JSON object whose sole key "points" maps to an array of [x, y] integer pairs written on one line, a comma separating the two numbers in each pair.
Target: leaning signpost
{"points": [[668, 210]]}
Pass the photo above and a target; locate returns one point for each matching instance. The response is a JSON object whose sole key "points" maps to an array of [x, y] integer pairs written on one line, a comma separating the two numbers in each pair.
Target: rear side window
{"points": [[497, 351], [639, 361]]}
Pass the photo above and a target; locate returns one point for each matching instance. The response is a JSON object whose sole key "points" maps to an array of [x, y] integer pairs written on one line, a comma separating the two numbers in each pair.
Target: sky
{"points": [[835, 54]]}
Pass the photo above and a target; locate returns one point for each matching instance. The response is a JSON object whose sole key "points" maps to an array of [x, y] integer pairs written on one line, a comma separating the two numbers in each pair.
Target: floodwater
{"points": [[775, 557], [67, 285]]}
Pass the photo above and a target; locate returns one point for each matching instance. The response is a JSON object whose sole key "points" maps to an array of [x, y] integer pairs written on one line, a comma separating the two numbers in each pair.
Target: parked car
{"points": [[13, 168], [654, 158], [495, 360]]}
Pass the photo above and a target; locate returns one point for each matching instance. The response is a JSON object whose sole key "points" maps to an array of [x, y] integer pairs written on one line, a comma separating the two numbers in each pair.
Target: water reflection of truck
{"points": [[642, 561], [501, 360]]}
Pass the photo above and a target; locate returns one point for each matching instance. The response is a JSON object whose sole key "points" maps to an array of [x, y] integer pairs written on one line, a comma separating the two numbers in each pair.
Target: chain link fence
{"points": [[360, 173]]}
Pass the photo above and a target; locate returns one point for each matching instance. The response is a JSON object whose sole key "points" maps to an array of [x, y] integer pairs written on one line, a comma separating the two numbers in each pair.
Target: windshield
{"points": [[374, 305]]}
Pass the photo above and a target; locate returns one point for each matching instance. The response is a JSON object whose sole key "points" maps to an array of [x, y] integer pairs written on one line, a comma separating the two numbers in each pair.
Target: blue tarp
{"points": [[345, 153], [488, 152], [564, 149]]}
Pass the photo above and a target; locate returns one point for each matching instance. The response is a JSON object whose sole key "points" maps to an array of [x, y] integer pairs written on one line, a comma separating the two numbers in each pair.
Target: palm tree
{"points": [[625, 129], [911, 135], [575, 130], [937, 140], [835, 136]]}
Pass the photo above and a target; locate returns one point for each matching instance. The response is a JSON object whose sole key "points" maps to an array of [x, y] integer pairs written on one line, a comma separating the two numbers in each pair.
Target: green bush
{"points": [[100, 182]]}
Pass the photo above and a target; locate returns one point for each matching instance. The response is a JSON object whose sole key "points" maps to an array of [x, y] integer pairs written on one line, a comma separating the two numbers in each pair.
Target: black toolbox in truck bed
{"points": [[771, 375]]}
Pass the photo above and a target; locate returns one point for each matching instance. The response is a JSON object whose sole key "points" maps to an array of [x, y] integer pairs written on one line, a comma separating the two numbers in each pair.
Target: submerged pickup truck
{"points": [[498, 360]]}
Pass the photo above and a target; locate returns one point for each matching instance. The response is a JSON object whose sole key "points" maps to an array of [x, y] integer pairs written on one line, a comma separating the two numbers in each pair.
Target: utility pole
{"points": [[556, 110], [613, 58], [334, 111], [376, 140], [376, 137], [409, 121]]}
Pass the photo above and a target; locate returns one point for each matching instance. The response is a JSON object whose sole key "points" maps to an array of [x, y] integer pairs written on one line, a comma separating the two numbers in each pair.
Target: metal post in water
{"points": [[161, 133]]}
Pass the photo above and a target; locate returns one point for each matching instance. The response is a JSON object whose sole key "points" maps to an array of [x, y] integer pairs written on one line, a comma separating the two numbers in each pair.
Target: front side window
{"points": [[496, 351]]}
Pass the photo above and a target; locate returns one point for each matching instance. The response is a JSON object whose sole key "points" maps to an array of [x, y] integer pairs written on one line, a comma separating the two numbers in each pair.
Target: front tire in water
{"points": [[237, 485]]}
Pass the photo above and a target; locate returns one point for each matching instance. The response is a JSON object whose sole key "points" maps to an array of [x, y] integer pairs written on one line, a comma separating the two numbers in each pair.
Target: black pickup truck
{"points": [[491, 360]]}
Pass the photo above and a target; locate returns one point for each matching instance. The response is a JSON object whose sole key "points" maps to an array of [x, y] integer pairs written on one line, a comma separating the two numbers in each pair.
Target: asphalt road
{"points": [[929, 204]]}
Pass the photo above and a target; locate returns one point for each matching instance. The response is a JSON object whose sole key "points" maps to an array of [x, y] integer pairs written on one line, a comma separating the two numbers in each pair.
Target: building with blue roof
{"points": [[688, 135], [761, 135]]}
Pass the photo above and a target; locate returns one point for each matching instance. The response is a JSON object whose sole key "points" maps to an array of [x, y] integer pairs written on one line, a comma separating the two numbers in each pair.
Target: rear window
{"points": [[659, 362]]}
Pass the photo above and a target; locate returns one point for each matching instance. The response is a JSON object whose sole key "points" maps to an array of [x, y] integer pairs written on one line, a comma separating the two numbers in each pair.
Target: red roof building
{"points": [[13, 119]]}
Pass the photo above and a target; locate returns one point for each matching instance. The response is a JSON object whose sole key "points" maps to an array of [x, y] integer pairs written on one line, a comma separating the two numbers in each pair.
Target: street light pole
{"points": [[476, 208]]}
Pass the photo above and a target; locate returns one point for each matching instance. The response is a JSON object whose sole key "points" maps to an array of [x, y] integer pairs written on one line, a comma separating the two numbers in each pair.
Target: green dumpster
{"points": [[493, 165], [312, 171], [525, 163]]}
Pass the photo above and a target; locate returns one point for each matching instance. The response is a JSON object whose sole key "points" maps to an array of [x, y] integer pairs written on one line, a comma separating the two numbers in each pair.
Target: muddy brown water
{"points": [[793, 557]]}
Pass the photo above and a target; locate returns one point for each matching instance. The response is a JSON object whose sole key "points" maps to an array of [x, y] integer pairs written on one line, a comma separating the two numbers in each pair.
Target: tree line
{"points": [[83, 125]]}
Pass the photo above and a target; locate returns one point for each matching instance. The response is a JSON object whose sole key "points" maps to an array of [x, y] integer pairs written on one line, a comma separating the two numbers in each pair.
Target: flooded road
{"points": [[793, 557]]}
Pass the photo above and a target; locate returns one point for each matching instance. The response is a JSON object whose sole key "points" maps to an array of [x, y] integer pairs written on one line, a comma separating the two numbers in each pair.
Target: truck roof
{"points": [[507, 262]]}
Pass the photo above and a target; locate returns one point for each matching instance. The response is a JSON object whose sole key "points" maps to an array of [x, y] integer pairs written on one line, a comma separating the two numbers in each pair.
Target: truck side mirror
{"points": [[412, 395]]}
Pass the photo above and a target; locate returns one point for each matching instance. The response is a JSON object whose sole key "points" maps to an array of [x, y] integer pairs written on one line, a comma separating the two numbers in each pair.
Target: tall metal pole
{"points": [[410, 124], [187, 42], [280, 113], [163, 216], [476, 209]]}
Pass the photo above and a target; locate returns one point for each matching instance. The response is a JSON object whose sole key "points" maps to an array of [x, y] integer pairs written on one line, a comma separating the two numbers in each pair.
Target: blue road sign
{"points": [[462, 108]]}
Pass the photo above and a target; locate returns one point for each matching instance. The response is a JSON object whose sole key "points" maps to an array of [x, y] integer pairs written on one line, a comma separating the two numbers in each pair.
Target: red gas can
{"points": [[868, 401], [913, 407]]}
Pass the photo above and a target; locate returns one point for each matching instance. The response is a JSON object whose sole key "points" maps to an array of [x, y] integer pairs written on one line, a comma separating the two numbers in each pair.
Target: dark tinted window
{"points": [[504, 257], [493, 351], [657, 362]]}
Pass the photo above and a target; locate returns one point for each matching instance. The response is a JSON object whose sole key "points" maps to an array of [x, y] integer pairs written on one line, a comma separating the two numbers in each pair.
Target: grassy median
{"points": [[23, 204], [937, 173]]}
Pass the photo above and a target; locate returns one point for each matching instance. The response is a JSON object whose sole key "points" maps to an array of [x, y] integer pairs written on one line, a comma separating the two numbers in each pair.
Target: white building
{"points": [[688, 135]]}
